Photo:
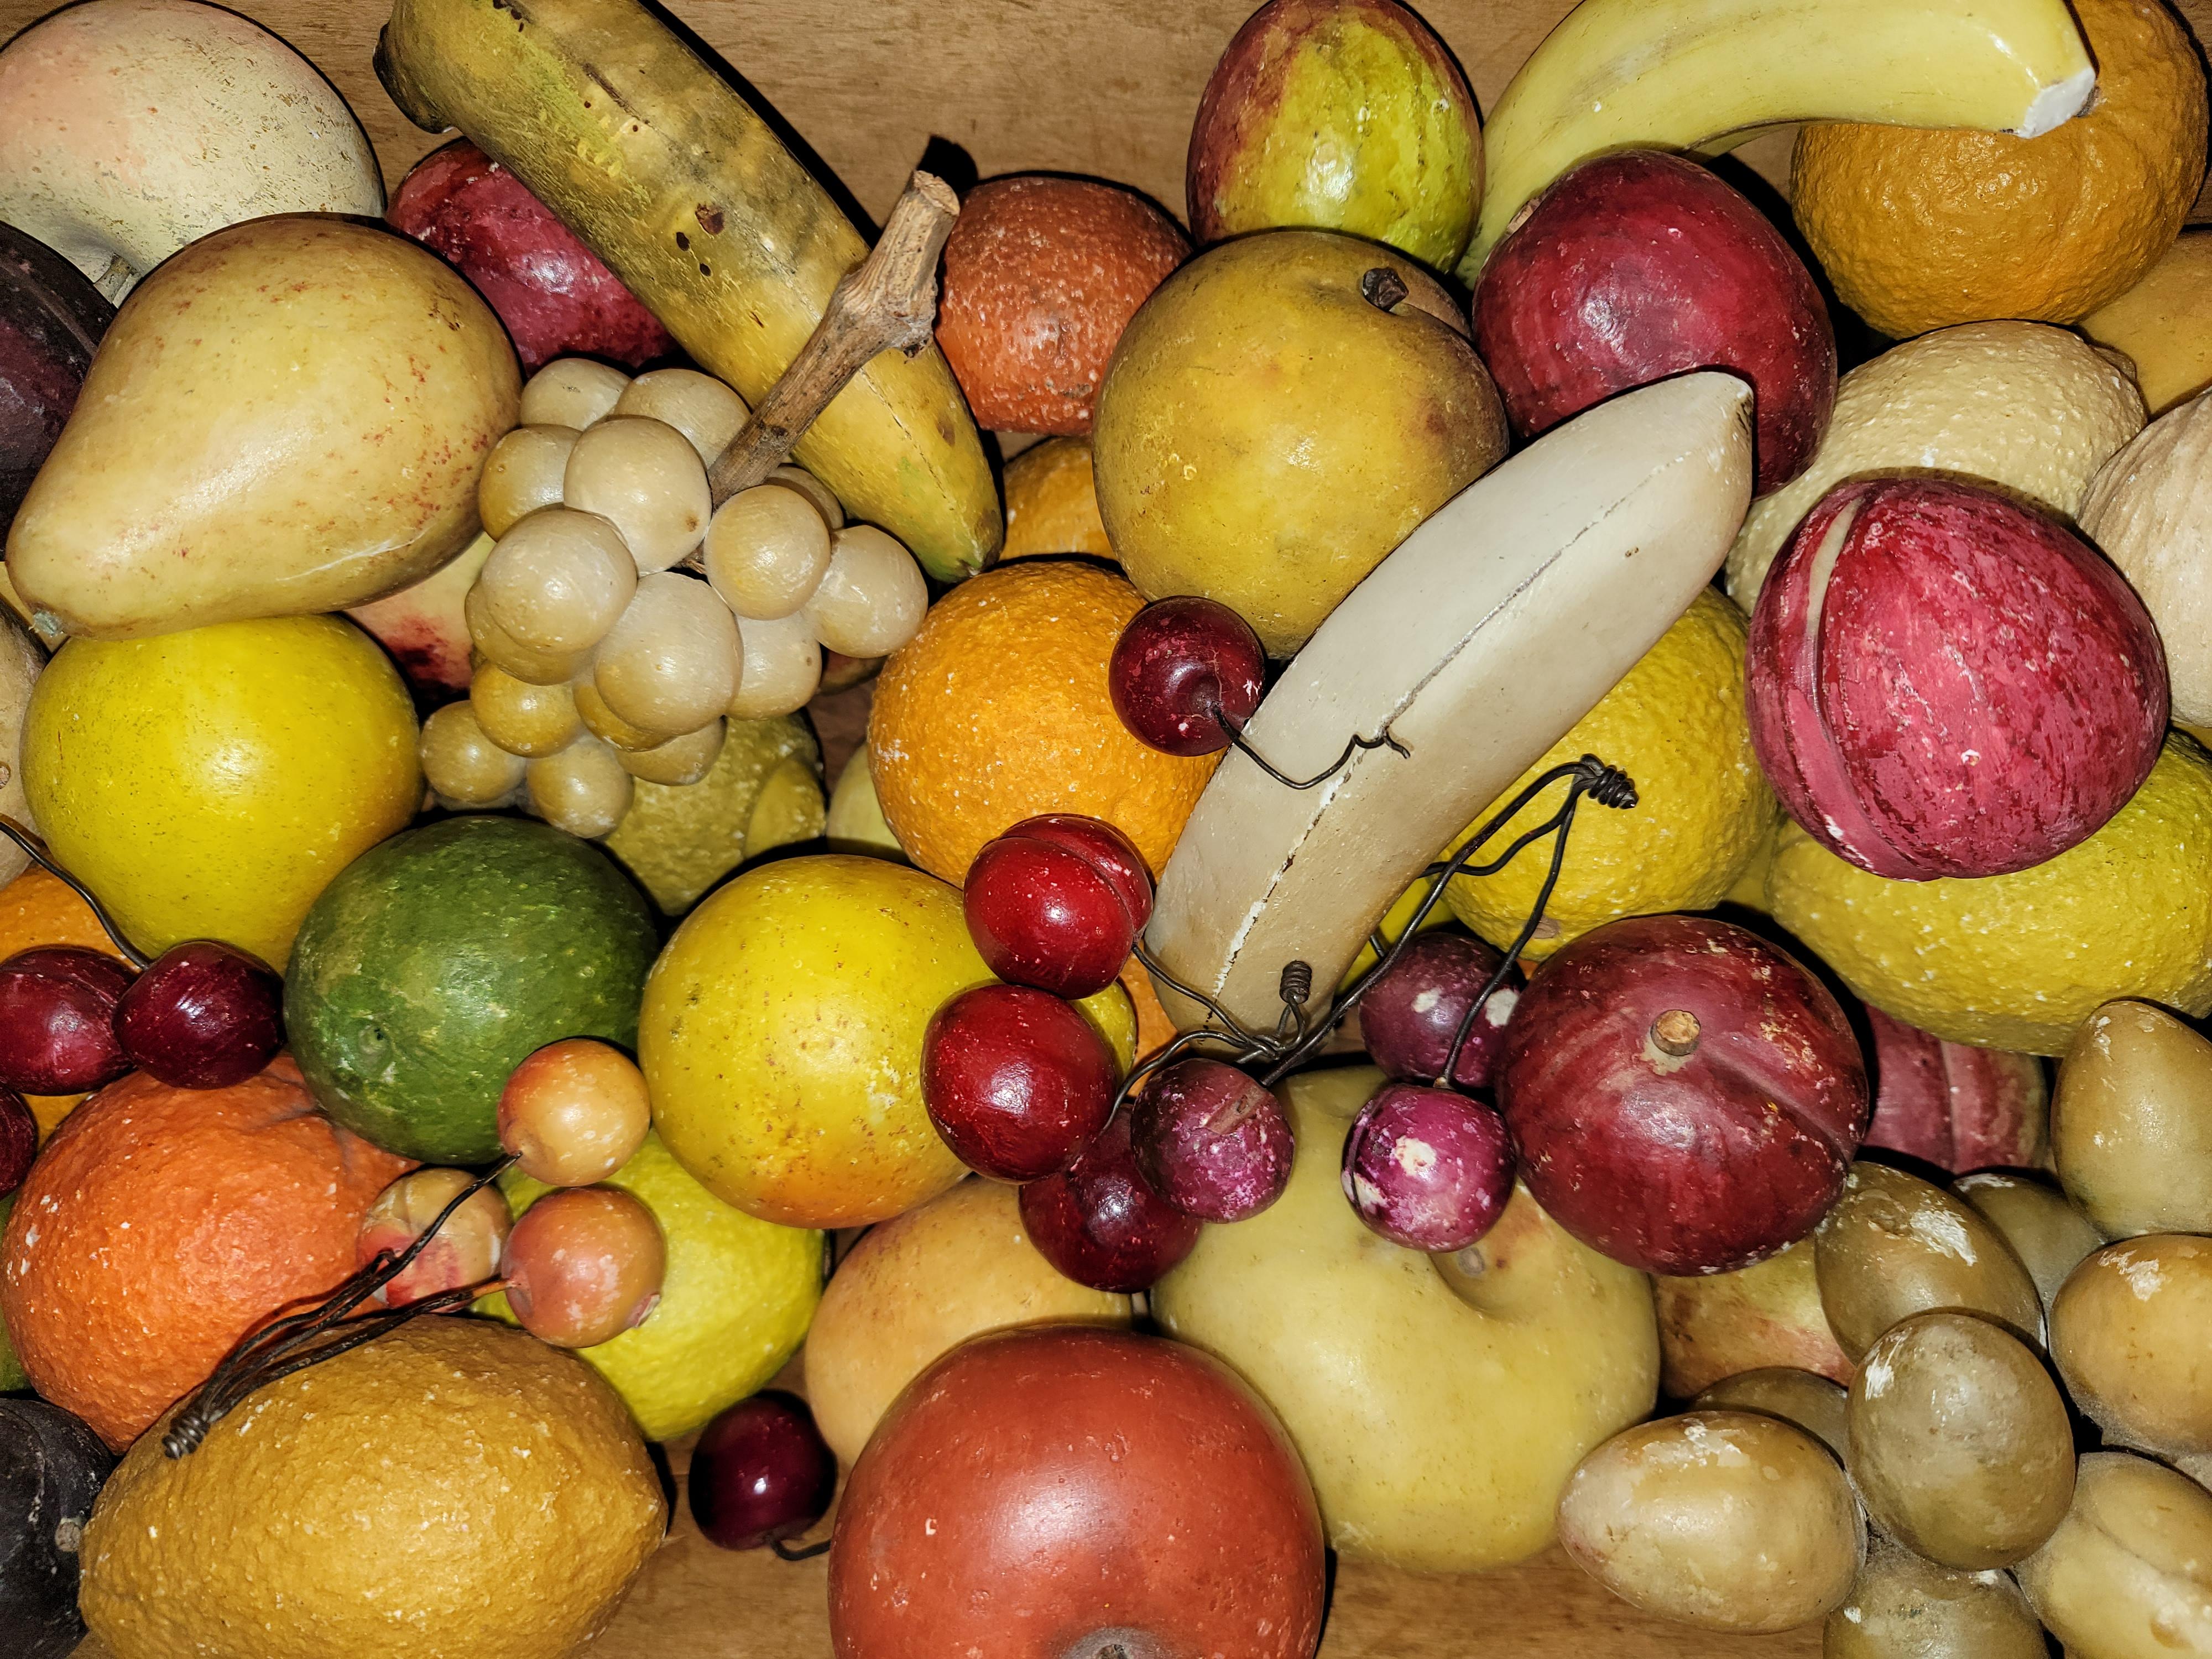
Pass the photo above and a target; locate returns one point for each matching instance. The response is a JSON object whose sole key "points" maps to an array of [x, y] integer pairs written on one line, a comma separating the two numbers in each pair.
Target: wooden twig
{"points": [[889, 300]]}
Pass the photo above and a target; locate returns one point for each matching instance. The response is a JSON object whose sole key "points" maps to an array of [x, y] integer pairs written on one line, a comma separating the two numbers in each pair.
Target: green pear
{"points": [[287, 417]]}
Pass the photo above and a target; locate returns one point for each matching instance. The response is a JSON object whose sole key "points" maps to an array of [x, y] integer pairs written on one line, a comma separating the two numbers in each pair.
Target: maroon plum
{"points": [[1099, 1222], [1409, 1016], [1943, 682], [1684, 1096], [57, 1020], [1958, 1108], [51, 320], [1210, 1140], [1638, 265], [761, 1472], [1185, 673], [1056, 903], [1426, 1168], [204, 1015], [1016, 1080], [19, 1140]]}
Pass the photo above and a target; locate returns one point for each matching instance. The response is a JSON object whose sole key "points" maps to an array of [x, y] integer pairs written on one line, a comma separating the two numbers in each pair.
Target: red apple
{"points": [[1958, 1108], [1943, 682], [1684, 1097], [1016, 1080], [1056, 903], [1637, 266], [548, 288], [1069, 1492], [1099, 1222]]}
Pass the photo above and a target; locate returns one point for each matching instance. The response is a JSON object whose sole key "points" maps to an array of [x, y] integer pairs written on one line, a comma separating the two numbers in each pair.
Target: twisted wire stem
{"points": [[34, 848]]}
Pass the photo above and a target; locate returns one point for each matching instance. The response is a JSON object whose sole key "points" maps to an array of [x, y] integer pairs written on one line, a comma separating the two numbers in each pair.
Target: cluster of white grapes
{"points": [[600, 659]]}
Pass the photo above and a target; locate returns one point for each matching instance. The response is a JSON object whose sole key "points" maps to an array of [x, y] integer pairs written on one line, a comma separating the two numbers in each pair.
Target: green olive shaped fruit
{"points": [[1895, 1245], [2131, 1333]]}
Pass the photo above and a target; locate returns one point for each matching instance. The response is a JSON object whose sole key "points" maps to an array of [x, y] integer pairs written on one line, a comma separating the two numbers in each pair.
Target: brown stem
{"points": [[1676, 1033]]}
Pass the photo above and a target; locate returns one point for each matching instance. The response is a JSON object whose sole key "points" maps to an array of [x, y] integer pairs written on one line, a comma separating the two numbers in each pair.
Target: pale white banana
{"points": [[1682, 74], [1476, 645]]}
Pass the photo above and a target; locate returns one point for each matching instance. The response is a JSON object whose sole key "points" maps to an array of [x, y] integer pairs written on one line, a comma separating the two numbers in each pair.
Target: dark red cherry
{"points": [[1099, 1222], [1016, 1080], [1426, 1168], [1210, 1140], [1057, 902], [1181, 666], [1409, 1016], [204, 1015], [761, 1472], [57, 1020]]}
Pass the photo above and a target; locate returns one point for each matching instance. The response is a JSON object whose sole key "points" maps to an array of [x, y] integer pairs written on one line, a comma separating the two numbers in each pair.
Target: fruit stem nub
{"points": [[1676, 1032]]}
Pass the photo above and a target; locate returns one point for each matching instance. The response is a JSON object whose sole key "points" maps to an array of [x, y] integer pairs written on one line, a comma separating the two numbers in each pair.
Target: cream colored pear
{"points": [[287, 417], [1439, 1416]]}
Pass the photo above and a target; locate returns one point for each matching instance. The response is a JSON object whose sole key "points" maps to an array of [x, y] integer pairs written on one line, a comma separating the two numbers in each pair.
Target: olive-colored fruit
{"points": [[2046, 1231], [1904, 1607], [2128, 1574], [2131, 1332], [2131, 1123], [1813, 1402], [1895, 1245]]}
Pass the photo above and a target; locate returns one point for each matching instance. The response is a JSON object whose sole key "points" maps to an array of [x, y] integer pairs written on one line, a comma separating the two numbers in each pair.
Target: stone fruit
{"points": [[1212, 1140], [202, 1015], [239, 1201], [782, 1038], [1956, 1107], [1338, 115], [1727, 1521], [511, 1518], [1638, 265], [2131, 1123], [52, 1467], [2045, 1231], [1367, 1352], [1277, 419], [1411, 1012], [583, 1266], [466, 1250], [920, 1285], [1902, 1606], [573, 1112], [2128, 1333], [1813, 1402], [2124, 1573], [1684, 1096], [1016, 1080], [759, 1473], [1943, 683], [51, 319], [1713, 1326], [1959, 1443], [1100, 1223], [549, 289], [332, 452], [1057, 902], [57, 1020], [1041, 274], [1099, 1489], [2149, 513], [1428, 1169], [1186, 674]]}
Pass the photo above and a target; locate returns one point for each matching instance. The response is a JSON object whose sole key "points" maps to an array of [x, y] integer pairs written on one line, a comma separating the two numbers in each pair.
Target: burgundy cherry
{"points": [[1180, 667], [1056, 903], [1409, 1015], [1016, 1080], [1426, 1168], [57, 1020], [1211, 1141], [19, 1140], [1099, 1222], [761, 1472], [204, 1015]]}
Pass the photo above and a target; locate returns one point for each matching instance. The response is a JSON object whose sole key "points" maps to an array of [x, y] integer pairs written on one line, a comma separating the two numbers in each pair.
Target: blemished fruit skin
{"points": [[1956, 1107], [506, 1521], [1684, 1097], [51, 319], [1097, 1488], [52, 1467], [1100, 1222], [438, 962], [1338, 115], [1943, 683], [1041, 274], [1638, 265]]}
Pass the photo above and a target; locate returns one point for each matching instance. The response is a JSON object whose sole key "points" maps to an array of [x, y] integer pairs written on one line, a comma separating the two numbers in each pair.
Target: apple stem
{"points": [[34, 848], [1676, 1033]]}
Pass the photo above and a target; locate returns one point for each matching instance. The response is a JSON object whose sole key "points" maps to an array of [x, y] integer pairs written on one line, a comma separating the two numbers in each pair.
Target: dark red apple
{"points": [[202, 1015], [1684, 1097], [1210, 1140], [1185, 673], [1638, 265], [1409, 1016], [551, 291], [1016, 1080], [1056, 903], [1943, 682], [1426, 1168], [1099, 1222], [761, 1472], [1069, 1492], [51, 319], [19, 1141], [57, 1020], [1958, 1108]]}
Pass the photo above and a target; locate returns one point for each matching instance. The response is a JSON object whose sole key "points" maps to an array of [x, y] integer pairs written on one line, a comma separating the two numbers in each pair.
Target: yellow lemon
{"points": [[1676, 725], [2019, 961], [210, 784]]}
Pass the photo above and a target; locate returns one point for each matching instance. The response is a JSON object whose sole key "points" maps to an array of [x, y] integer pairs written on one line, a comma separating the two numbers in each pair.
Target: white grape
{"points": [[872, 596], [558, 581], [609, 728], [766, 551], [697, 405], [522, 474], [670, 664], [782, 667], [522, 717], [463, 766], [495, 645], [644, 477], [582, 790], [680, 760], [824, 499], [571, 392]]}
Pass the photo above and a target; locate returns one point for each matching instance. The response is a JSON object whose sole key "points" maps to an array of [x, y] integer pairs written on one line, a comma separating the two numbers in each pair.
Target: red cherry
{"points": [[204, 1015], [1056, 903], [57, 1020], [19, 1140], [1099, 1222], [1410, 1013], [1016, 1080], [1212, 1142], [1107, 849], [1181, 666], [1426, 1168], [761, 1472]]}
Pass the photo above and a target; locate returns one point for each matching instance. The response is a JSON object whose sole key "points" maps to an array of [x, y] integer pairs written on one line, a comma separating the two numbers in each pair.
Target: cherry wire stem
{"points": [[34, 848]]}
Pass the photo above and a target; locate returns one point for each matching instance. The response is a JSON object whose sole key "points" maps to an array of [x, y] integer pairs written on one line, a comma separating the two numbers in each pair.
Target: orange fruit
{"points": [[161, 1224], [2163, 324], [1921, 228], [37, 909], [1155, 1031], [1052, 505], [998, 710]]}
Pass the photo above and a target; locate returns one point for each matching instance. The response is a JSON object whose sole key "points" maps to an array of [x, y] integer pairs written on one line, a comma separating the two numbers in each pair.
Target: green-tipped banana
{"points": [[672, 179], [1680, 73]]}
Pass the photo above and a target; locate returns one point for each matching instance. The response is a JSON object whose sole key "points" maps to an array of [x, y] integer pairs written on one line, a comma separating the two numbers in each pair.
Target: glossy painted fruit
{"points": [[51, 321], [1041, 274], [466, 1250], [1098, 1489], [573, 1112], [1426, 1168], [1638, 265], [583, 1266], [1943, 683], [439, 961], [1411, 1012], [1187, 673], [52, 1467], [57, 1006], [1016, 1080], [1100, 1223], [237, 1201], [202, 1015], [759, 1473], [1057, 902], [551, 291], [1956, 1107], [1685, 1096], [38, 909], [1210, 1140]]}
